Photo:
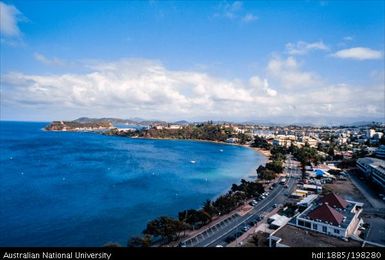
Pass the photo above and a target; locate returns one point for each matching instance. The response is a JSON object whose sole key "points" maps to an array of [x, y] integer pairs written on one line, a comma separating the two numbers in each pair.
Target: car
{"points": [[286, 186], [258, 218], [366, 225], [246, 228], [251, 223], [275, 205], [218, 246], [229, 239]]}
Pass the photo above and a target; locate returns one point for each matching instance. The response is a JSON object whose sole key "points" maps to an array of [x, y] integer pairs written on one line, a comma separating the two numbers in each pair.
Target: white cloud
{"points": [[9, 18], [43, 59], [235, 11], [289, 74], [146, 88], [259, 84], [301, 47], [358, 53], [249, 18]]}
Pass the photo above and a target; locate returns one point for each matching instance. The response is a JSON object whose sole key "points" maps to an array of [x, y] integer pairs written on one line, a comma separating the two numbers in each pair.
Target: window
{"points": [[315, 227], [337, 231], [324, 229], [307, 224], [300, 223]]}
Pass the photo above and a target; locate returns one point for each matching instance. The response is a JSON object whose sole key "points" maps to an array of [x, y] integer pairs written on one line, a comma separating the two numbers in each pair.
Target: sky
{"points": [[264, 61]]}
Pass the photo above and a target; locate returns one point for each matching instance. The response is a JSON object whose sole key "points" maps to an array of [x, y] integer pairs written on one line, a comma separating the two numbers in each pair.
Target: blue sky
{"points": [[318, 61]]}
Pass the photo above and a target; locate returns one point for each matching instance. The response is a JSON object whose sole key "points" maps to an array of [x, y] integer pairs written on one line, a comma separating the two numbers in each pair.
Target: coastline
{"points": [[263, 152]]}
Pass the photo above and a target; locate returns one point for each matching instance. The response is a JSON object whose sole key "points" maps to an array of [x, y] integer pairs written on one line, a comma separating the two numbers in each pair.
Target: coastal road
{"points": [[217, 236]]}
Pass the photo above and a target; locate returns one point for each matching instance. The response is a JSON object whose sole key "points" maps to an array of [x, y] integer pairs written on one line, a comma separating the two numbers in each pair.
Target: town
{"points": [[322, 186]]}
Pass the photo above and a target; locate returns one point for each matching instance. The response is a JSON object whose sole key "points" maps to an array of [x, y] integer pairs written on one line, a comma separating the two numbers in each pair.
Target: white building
{"points": [[374, 169], [380, 152], [331, 215], [370, 133]]}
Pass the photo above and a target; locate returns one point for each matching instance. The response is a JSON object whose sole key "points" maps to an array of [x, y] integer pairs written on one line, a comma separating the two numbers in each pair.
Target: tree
{"points": [[195, 218], [165, 227], [275, 166], [209, 208], [144, 241]]}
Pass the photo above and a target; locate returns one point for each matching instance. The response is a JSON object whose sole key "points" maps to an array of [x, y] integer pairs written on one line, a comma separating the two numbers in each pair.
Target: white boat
{"points": [[192, 161], [221, 150]]}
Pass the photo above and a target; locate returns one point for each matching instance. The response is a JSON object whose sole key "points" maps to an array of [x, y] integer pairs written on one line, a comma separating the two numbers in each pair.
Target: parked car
{"points": [[275, 205], [246, 228]]}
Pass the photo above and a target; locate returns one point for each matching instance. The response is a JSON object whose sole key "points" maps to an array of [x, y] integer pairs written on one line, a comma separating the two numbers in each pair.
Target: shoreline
{"points": [[263, 152]]}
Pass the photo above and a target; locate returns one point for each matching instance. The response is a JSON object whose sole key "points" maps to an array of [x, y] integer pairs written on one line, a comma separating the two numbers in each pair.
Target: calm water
{"points": [[84, 189]]}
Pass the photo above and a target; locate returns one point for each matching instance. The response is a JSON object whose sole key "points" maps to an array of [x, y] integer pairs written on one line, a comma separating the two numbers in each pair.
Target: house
{"points": [[331, 215], [232, 140], [373, 169]]}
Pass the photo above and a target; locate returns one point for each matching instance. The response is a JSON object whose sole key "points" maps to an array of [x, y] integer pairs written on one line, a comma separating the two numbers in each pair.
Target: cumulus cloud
{"points": [[146, 88], [9, 18], [358, 53], [301, 47], [288, 72]]}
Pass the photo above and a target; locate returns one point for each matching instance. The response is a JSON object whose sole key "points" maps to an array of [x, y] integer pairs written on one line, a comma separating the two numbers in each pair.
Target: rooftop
{"points": [[334, 201], [375, 162], [326, 213], [297, 237]]}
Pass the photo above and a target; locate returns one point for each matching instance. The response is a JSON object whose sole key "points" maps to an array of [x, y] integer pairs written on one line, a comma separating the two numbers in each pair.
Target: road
{"points": [[217, 235]]}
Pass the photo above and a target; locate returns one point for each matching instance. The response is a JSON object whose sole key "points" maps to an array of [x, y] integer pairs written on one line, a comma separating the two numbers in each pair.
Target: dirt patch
{"points": [[297, 237], [260, 239], [346, 189]]}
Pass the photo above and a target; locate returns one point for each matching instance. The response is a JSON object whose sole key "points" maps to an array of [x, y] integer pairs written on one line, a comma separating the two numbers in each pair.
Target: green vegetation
{"points": [[168, 229], [260, 142], [205, 131], [72, 125], [278, 156], [194, 218]]}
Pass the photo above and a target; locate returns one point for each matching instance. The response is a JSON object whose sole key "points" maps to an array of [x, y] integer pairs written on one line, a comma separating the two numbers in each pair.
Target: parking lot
{"points": [[208, 232]]}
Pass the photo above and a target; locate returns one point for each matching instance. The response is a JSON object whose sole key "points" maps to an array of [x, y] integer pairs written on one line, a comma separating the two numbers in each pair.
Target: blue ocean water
{"points": [[85, 189]]}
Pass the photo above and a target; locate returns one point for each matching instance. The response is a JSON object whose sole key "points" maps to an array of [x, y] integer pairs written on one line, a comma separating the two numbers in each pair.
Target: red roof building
{"points": [[334, 201], [326, 213]]}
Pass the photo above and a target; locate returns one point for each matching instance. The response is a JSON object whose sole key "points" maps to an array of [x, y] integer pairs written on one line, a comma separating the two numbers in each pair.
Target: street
{"points": [[217, 236]]}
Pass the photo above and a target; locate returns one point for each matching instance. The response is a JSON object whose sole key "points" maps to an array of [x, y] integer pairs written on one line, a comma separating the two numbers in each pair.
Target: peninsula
{"points": [[76, 126]]}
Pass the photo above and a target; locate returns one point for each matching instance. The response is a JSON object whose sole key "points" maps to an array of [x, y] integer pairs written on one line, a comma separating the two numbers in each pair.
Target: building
{"points": [[277, 221], [374, 170], [380, 152], [232, 140], [370, 133], [331, 215], [174, 127], [307, 201]]}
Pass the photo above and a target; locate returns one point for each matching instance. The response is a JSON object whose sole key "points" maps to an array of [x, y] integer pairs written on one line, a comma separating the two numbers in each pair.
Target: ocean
{"points": [[86, 189]]}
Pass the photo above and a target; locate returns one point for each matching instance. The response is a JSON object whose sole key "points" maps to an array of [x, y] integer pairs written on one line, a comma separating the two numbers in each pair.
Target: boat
{"points": [[192, 161]]}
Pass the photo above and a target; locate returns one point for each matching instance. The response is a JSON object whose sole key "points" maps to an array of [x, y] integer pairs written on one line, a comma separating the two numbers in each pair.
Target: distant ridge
{"points": [[260, 122]]}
